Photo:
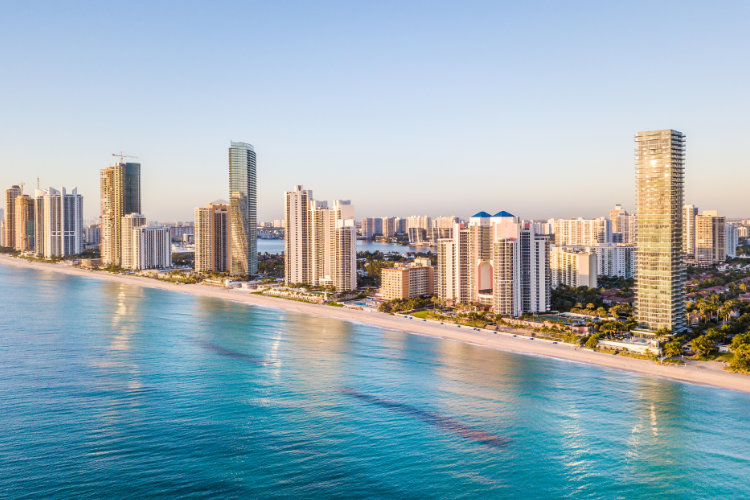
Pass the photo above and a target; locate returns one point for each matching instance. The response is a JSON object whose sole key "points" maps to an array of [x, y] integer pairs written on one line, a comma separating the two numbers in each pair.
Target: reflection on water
{"points": [[142, 392]]}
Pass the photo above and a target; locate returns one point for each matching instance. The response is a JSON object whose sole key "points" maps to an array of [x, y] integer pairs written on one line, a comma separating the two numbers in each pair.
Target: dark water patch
{"points": [[432, 418], [230, 353]]}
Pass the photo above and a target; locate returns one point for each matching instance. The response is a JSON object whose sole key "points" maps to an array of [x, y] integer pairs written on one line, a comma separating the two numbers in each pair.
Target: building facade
{"points": [[320, 245], [689, 213], [573, 266], [406, 281], [9, 226], [152, 248], [130, 240], [212, 238], [59, 223], [660, 276], [120, 195], [710, 238], [24, 230], [243, 210]]}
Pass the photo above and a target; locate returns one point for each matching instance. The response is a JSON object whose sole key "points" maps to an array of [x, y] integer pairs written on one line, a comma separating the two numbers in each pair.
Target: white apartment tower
{"points": [[59, 223]]}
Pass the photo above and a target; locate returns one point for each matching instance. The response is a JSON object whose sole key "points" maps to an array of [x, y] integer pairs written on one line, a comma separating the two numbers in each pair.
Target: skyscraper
{"points": [[24, 223], [710, 238], [243, 210], [59, 222], [212, 238], [9, 229], [129, 237], [660, 280], [320, 247], [120, 194], [688, 230]]}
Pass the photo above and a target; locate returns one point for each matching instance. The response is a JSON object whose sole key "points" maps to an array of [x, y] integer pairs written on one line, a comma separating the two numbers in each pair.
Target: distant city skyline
{"points": [[408, 108]]}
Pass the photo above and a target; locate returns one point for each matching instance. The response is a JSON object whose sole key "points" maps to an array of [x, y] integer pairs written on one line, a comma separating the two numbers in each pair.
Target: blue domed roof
{"points": [[481, 214], [503, 213]]}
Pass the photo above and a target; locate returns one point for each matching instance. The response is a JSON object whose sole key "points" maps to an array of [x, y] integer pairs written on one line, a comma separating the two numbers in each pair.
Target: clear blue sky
{"points": [[402, 107]]}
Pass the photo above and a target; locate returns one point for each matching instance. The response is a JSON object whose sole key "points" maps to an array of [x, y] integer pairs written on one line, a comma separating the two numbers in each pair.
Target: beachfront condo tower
{"points": [[212, 238], [9, 231], [59, 223], [660, 279], [243, 210], [120, 195], [320, 247]]}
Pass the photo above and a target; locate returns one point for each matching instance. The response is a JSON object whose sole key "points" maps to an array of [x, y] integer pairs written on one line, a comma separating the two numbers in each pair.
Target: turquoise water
{"points": [[116, 390]]}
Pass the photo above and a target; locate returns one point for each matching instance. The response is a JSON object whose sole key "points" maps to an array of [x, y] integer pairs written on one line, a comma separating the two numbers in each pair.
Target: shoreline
{"points": [[694, 372]]}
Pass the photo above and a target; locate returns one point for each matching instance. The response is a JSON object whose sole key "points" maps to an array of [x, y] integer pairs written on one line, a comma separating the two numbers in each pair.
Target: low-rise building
{"points": [[407, 281]]}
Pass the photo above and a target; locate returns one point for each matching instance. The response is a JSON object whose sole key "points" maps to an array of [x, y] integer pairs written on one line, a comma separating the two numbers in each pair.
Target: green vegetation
{"points": [[334, 304], [271, 265], [401, 305]]}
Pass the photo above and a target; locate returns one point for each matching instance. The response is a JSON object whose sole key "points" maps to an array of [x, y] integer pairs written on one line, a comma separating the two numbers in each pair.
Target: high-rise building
{"points": [[689, 213], [243, 210], [24, 223], [152, 248], [614, 215], [388, 227], [574, 267], [9, 229], [580, 231], [660, 277], [120, 194], [506, 265], [93, 235], [733, 237], [297, 236], [59, 223], [320, 242], [710, 238], [2, 227], [130, 239], [367, 228], [453, 266], [212, 238]]}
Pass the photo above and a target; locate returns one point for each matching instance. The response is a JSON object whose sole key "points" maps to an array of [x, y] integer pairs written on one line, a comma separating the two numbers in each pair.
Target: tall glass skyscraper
{"points": [[660, 280], [243, 210], [120, 195]]}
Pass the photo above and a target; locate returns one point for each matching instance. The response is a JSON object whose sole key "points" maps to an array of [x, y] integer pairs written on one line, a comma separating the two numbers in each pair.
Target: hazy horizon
{"points": [[403, 108]]}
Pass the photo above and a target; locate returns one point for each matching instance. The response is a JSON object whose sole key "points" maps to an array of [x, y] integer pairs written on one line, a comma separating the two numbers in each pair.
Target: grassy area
{"points": [[335, 304]]}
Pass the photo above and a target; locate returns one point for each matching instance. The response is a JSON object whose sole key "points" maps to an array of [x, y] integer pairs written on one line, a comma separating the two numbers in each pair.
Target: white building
{"points": [[574, 267], [689, 212], [733, 238], [128, 244], [152, 248], [498, 261], [320, 242], [58, 224], [580, 231]]}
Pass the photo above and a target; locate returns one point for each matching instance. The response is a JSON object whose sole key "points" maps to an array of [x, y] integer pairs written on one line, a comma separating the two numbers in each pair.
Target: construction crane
{"points": [[123, 156]]}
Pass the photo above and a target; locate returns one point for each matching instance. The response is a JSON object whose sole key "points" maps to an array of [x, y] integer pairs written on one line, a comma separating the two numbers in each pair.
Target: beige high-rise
{"points": [[9, 230], [710, 238], [688, 230], [120, 194], [660, 277], [24, 223], [212, 238]]}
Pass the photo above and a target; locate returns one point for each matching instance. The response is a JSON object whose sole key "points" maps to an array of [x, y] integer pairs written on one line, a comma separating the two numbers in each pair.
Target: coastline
{"points": [[702, 373]]}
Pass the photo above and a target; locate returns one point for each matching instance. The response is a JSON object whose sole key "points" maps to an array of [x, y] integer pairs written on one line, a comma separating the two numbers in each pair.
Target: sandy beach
{"points": [[697, 372]]}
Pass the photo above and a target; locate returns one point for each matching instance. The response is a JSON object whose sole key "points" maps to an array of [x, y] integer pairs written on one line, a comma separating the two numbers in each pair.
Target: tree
{"points": [[704, 345], [741, 359], [593, 341], [671, 349]]}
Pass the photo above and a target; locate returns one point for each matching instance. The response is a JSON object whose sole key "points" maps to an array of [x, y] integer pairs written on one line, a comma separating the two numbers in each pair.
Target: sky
{"points": [[403, 107]]}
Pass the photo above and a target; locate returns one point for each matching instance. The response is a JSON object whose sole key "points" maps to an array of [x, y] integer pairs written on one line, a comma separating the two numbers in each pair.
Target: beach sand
{"points": [[697, 372]]}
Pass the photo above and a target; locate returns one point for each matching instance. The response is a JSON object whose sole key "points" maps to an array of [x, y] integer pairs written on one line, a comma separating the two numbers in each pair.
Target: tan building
{"points": [[689, 212], [710, 238], [573, 267], [120, 194], [212, 238], [407, 281], [24, 223], [9, 231]]}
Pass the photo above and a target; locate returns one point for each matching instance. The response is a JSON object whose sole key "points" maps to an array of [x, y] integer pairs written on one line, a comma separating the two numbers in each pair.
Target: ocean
{"points": [[109, 389]]}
